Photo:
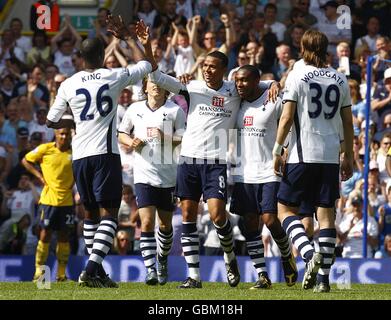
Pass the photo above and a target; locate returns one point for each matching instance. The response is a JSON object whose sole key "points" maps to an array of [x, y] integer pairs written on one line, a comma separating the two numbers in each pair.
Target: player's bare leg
{"points": [[191, 244], [295, 229], [218, 215]]}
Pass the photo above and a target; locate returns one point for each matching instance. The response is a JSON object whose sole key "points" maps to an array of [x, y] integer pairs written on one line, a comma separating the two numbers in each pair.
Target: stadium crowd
{"points": [[265, 34]]}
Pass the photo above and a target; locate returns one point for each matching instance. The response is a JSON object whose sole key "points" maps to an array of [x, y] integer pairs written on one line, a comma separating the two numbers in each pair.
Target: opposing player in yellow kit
{"points": [[56, 203]]}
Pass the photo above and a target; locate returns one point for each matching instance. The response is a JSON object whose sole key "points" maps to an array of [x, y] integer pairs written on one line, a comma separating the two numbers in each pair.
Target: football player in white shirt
{"points": [[202, 170], [152, 127], [92, 95], [256, 185], [316, 98]]}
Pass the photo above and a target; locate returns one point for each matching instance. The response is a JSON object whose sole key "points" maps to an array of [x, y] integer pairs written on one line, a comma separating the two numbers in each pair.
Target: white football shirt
{"points": [[92, 97], [256, 133], [320, 93], [211, 114], [155, 164]]}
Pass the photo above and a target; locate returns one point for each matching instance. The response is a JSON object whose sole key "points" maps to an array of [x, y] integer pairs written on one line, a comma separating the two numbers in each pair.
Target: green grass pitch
{"points": [[210, 291]]}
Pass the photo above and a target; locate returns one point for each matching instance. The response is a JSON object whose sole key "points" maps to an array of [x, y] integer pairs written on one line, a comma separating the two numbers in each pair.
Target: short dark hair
{"points": [[221, 56], [93, 52], [254, 72], [270, 6]]}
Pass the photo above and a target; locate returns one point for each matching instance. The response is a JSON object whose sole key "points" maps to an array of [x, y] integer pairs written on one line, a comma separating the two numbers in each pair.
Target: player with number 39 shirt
{"points": [[316, 98]]}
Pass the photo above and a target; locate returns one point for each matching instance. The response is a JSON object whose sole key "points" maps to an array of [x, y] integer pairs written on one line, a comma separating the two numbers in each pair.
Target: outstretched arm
{"points": [[142, 32], [117, 27]]}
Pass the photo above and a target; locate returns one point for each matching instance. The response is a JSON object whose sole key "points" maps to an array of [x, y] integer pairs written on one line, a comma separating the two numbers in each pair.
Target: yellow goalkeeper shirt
{"points": [[56, 169]]}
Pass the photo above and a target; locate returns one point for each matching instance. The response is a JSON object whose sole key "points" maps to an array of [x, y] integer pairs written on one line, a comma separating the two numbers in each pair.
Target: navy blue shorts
{"points": [[56, 218], [195, 179], [254, 198], [99, 180], [307, 209], [161, 198], [316, 183]]}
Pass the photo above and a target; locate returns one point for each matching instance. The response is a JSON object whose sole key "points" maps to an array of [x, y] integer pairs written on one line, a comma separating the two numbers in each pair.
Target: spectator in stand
{"points": [[381, 102], [40, 52], [37, 93], [296, 35], [276, 27], [77, 61], [100, 26], [13, 235], [11, 125], [358, 106], [383, 217], [184, 8], [304, 6], [8, 49], [122, 244], [281, 66], [128, 216], [296, 16], [184, 61], [383, 49], [63, 45], [20, 201], [242, 60], [7, 84], [329, 26], [147, 12], [39, 125], [23, 42], [350, 230], [352, 70], [385, 251], [163, 21], [373, 27]]}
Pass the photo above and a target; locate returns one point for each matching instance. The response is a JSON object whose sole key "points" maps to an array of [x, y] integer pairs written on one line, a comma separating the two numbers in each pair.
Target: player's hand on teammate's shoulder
{"points": [[185, 78], [274, 91]]}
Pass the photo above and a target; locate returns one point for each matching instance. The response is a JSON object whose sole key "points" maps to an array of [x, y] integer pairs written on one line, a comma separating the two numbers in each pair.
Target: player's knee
{"points": [[165, 226], [45, 235], [251, 222]]}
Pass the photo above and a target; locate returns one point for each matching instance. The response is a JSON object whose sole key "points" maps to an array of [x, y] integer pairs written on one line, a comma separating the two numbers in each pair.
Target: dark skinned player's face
{"points": [[245, 83]]}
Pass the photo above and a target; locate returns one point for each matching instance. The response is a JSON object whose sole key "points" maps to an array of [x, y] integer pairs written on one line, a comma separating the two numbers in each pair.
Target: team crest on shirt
{"points": [[248, 121], [218, 102]]}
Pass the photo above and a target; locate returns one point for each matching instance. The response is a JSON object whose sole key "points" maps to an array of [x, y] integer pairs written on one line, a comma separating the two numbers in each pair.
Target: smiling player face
{"points": [[213, 71], [246, 84]]}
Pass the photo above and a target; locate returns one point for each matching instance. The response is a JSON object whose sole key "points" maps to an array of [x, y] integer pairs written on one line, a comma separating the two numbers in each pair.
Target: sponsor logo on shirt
{"points": [[218, 102], [149, 132], [248, 121]]}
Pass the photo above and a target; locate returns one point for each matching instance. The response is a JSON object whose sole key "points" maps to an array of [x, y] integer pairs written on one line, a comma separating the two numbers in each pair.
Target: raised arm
{"points": [[168, 83], [193, 35], [230, 36], [117, 27]]}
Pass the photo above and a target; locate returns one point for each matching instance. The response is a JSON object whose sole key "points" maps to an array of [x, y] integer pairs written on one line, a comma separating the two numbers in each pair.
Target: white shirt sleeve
{"points": [[291, 90], [167, 82], [59, 106], [180, 123], [138, 71], [126, 125]]}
